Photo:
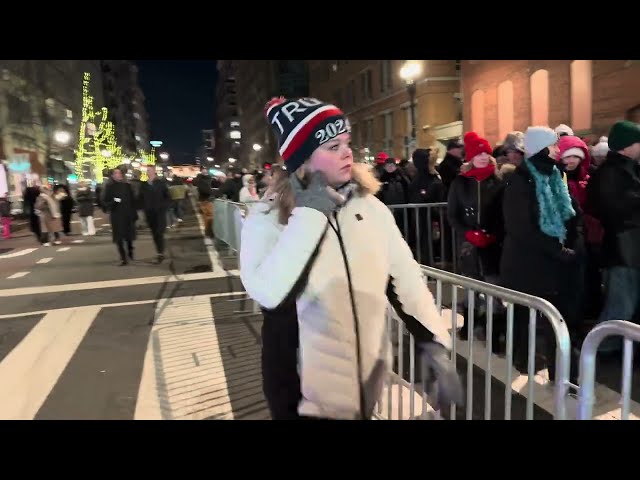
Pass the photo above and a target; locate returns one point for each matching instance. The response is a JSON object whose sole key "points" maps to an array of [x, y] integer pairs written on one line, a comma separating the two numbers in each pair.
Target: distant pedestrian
{"points": [[85, 208], [156, 199], [120, 203], [5, 216], [48, 210]]}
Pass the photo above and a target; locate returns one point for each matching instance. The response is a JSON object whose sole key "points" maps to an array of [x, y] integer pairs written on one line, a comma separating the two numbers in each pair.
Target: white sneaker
{"points": [[46, 244], [57, 242], [179, 220], [84, 234]]}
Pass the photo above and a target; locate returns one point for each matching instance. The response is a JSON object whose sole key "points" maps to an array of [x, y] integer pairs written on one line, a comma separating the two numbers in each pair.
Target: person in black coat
{"points": [[66, 207], [84, 200], [613, 193], [120, 203], [426, 187], [474, 212], [543, 240], [30, 196], [451, 163], [394, 191], [156, 201]]}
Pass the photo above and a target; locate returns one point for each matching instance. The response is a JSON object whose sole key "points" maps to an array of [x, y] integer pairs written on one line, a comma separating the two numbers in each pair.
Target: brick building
{"points": [[227, 131], [588, 95], [376, 101]]}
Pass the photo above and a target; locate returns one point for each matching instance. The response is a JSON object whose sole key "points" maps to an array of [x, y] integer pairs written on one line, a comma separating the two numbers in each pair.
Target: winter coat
{"points": [[426, 187], [231, 189], [123, 214], [614, 198], [85, 202], [155, 195], [338, 277], [477, 205], [48, 211], [449, 169], [395, 188], [203, 185], [532, 261], [576, 180], [178, 191]]}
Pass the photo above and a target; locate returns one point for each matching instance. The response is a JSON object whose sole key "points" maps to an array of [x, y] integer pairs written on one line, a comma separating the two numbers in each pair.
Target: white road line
{"points": [[71, 287], [155, 400], [216, 265], [19, 253], [17, 275], [120, 304], [63, 249], [30, 371], [78, 241], [45, 260], [75, 221]]}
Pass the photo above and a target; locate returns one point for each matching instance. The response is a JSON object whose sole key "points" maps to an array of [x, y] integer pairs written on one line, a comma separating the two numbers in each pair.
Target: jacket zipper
{"points": [[355, 316]]}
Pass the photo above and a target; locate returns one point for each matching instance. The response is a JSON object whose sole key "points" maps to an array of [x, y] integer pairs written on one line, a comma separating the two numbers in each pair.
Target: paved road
{"points": [[83, 338]]}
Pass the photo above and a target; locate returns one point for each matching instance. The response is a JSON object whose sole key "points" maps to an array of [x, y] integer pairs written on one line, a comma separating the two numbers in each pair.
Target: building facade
{"points": [[126, 103], [256, 82], [377, 102], [588, 95], [40, 113], [227, 134]]}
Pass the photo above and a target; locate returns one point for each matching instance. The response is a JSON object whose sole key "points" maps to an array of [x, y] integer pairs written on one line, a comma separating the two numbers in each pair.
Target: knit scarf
{"points": [[553, 200], [480, 174]]}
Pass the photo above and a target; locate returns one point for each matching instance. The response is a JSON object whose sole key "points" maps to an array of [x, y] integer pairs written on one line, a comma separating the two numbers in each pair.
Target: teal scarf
{"points": [[554, 202]]}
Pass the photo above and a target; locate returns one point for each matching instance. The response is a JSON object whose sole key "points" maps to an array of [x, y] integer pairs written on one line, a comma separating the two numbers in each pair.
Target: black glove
{"points": [[317, 195], [442, 378]]}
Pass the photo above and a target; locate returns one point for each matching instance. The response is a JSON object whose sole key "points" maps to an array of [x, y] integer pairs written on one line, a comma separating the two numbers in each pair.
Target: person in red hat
{"points": [[474, 212]]}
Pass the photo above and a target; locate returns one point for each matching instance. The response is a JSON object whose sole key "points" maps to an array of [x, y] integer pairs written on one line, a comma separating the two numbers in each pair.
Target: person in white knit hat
{"points": [[541, 232], [563, 130]]}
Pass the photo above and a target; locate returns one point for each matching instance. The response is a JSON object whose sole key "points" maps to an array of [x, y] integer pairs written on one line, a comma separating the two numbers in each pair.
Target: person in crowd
{"points": [[178, 192], [84, 199], [249, 192], [542, 239], [500, 156], [380, 161], [514, 150], [307, 258], [475, 213], [598, 154], [120, 203], [394, 191], [48, 210], [63, 195], [203, 184], [614, 195], [231, 188], [138, 201], [563, 130], [426, 187], [5, 216], [573, 154], [30, 196], [451, 163], [156, 199]]}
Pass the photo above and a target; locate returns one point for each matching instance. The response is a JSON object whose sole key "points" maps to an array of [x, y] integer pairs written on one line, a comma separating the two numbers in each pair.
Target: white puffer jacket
{"points": [[365, 236]]}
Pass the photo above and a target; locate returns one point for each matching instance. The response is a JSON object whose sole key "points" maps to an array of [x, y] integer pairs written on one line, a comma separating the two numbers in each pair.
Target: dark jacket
{"points": [[231, 188], [203, 184], [449, 169], [532, 261], [122, 214], [155, 195], [614, 198], [477, 205], [395, 188], [85, 202], [425, 187]]}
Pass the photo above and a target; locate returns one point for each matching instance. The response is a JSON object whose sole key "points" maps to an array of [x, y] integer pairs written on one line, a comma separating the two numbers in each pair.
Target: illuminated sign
{"points": [[156, 143]]}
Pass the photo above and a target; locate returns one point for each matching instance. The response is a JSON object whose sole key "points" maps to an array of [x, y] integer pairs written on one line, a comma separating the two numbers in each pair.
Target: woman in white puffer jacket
{"points": [[249, 190], [323, 256]]}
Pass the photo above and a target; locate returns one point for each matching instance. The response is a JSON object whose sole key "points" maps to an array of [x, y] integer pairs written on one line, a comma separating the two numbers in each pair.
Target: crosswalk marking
{"points": [[30, 371], [63, 249], [78, 241], [44, 260], [19, 253], [17, 275]]}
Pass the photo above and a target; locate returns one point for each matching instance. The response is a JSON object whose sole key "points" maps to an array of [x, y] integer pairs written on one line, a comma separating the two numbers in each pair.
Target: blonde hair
{"points": [[284, 199]]}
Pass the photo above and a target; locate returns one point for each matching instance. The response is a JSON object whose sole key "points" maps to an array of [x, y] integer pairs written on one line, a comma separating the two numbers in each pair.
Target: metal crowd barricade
{"points": [[586, 399], [228, 218], [397, 385], [416, 214]]}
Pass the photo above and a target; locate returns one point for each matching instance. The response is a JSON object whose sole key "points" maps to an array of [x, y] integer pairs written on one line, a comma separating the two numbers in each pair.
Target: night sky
{"points": [[180, 99]]}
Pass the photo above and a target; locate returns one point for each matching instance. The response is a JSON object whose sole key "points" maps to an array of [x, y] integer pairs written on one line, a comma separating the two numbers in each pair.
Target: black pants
{"points": [[121, 250], [44, 237], [66, 221], [157, 220], [34, 222]]}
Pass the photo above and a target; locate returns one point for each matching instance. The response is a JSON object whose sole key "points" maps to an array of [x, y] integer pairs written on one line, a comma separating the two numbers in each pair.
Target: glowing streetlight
{"points": [[217, 166], [210, 159], [232, 160], [62, 137], [409, 73], [257, 147], [164, 155], [106, 153]]}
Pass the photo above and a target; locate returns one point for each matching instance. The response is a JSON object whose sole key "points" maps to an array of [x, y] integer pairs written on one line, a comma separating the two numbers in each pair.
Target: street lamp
{"points": [[409, 73], [210, 159], [257, 147], [232, 160], [62, 137], [164, 156]]}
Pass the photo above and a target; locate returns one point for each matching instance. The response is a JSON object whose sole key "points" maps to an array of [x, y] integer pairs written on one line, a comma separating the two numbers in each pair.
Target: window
{"points": [[69, 114], [477, 112], [234, 124], [138, 138], [136, 115], [368, 133], [388, 133], [581, 94], [386, 77], [235, 134], [505, 108], [365, 85], [540, 98]]}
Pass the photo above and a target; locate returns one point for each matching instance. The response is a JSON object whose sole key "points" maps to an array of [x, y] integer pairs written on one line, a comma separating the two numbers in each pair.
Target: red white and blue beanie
{"points": [[302, 125]]}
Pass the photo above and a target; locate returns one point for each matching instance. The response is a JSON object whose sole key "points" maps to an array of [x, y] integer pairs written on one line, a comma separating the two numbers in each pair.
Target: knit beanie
{"points": [[563, 129], [514, 141], [623, 134], [474, 145], [302, 125], [538, 138], [573, 152], [601, 148]]}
